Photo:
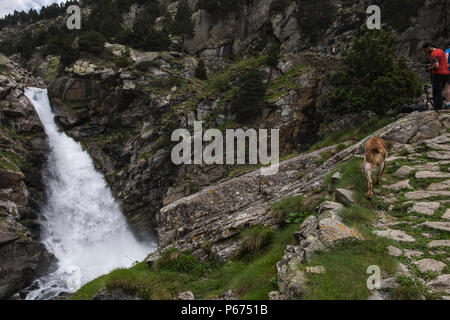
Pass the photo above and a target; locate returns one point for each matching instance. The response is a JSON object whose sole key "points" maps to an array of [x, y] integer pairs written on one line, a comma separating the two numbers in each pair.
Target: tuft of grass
{"points": [[176, 272], [256, 238], [346, 265], [283, 208], [354, 134]]}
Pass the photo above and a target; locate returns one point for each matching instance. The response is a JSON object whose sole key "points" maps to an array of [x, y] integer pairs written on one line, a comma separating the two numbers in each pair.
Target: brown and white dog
{"points": [[375, 158]]}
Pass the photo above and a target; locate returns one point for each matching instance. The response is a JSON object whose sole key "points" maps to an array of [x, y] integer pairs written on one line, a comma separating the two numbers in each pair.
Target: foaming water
{"points": [[82, 223]]}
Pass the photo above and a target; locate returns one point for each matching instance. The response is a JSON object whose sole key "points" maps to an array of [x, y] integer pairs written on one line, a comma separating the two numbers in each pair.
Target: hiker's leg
{"points": [[447, 91], [438, 86]]}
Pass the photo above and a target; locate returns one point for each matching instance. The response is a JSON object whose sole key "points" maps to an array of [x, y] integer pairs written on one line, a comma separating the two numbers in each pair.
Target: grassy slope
{"points": [[253, 275]]}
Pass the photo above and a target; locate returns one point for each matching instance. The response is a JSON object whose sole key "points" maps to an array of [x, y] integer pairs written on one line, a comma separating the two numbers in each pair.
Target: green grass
{"points": [[178, 272], [289, 205], [346, 265], [354, 134]]}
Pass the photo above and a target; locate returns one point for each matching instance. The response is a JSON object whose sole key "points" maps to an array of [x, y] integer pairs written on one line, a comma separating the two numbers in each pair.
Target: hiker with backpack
{"points": [[447, 88], [440, 73]]}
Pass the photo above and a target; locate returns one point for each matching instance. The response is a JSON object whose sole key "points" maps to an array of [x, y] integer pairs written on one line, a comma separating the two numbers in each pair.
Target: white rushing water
{"points": [[83, 225]]}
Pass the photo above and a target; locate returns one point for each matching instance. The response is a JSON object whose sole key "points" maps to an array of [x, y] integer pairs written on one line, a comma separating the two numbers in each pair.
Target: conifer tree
{"points": [[183, 26]]}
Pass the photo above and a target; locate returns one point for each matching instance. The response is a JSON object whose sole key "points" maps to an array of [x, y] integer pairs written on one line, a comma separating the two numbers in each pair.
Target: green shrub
{"points": [[122, 62], [144, 66], [256, 238], [281, 210], [92, 42], [248, 100], [200, 71], [314, 17], [373, 77], [173, 260]]}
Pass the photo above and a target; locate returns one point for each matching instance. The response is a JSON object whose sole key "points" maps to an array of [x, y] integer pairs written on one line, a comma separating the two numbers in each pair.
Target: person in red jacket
{"points": [[440, 73]]}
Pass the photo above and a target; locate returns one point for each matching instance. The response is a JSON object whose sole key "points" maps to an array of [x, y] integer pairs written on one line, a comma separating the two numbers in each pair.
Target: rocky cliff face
{"points": [[22, 147]]}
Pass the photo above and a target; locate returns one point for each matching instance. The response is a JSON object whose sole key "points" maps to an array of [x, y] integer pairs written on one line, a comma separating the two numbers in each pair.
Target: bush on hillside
{"points": [[92, 42], [248, 100], [200, 71], [374, 76], [314, 17]]}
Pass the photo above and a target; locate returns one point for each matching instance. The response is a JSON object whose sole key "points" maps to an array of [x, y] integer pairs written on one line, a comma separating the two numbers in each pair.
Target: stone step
{"points": [[439, 243], [436, 146], [444, 185], [440, 155], [400, 186], [405, 171], [432, 175], [430, 265], [428, 208], [446, 215], [396, 235], [435, 225], [418, 195], [441, 139]]}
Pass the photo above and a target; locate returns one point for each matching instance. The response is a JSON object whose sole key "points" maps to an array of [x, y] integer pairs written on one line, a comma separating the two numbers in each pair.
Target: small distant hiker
{"points": [[440, 73], [333, 50], [325, 48], [447, 88]]}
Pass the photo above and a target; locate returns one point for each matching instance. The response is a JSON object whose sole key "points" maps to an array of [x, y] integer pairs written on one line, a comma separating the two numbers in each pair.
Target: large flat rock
{"points": [[439, 243], [418, 195], [437, 186], [436, 225], [440, 155], [428, 208], [396, 235], [430, 265], [432, 174]]}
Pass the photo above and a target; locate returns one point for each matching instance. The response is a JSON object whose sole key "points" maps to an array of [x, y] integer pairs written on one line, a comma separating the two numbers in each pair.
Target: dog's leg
{"points": [[382, 168], [368, 171]]}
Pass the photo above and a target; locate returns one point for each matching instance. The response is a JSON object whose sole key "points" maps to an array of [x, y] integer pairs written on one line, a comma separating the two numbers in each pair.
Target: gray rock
{"points": [[396, 235], [446, 215], [436, 225], [442, 282], [344, 196], [412, 253], [336, 177], [432, 174], [187, 295], [274, 295], [394, 251], [332, 230], [418, 195], [444, 185], [427, 208], [440, 155], [439, 243], [401, 185]]}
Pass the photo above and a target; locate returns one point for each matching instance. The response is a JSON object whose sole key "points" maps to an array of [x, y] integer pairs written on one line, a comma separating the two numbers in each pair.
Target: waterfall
{"points": [[83, 225]]}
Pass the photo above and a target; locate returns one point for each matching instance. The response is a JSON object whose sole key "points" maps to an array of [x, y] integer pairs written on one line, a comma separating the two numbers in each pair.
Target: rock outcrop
{"points": [[22, 146]]}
